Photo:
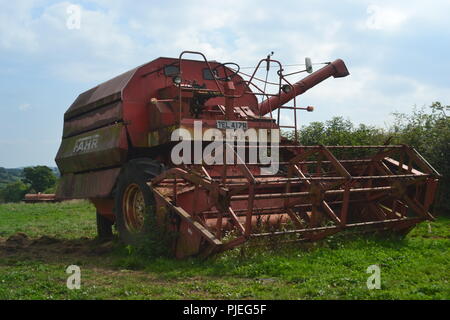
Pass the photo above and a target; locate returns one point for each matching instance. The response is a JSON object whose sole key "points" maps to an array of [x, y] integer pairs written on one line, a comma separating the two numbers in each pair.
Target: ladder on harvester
{"points": [[294, 109]]}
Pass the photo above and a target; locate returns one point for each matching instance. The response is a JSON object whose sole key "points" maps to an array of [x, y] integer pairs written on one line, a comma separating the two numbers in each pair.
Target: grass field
{"points": [[39, 241]]}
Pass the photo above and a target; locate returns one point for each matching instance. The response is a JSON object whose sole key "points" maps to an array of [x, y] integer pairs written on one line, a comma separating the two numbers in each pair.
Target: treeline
{"points": [[9, 175], [425, 129], [29, 180]]}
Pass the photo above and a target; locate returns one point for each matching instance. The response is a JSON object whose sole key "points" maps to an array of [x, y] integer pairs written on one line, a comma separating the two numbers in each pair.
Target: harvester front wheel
{"points": [[134, 201]]}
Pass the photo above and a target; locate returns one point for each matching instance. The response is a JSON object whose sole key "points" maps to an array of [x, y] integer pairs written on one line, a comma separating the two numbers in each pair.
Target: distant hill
{"points": [[8, 175]]}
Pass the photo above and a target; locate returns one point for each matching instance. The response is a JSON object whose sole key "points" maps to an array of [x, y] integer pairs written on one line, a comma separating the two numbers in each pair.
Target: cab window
{"points": [[207, 75], [171, 71]]}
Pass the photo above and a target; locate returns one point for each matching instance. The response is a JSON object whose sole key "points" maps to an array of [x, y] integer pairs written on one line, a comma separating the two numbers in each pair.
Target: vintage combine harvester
{"points": [[118, 150]]}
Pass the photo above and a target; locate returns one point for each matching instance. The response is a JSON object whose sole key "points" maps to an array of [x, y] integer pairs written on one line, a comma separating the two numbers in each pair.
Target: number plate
{"points": [[223, 124]]}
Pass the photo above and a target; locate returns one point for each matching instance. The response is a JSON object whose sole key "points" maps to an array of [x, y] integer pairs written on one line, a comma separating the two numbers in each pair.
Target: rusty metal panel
{"points": [[39, 197], [101, 148], [97, 184], [111, 88], [188, 241], [100, 117]]}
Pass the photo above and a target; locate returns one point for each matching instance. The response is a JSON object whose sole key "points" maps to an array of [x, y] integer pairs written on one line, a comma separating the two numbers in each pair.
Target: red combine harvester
{"points": [[118, 150]]}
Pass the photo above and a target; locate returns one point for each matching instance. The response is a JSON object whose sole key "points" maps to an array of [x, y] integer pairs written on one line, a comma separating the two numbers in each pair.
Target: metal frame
{"points": [[311, 198]]}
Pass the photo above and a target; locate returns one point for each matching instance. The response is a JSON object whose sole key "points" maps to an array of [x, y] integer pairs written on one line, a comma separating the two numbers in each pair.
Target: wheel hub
{"points": [[133, 206]]}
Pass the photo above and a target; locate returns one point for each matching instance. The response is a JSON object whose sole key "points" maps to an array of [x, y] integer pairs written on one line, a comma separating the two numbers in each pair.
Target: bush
{"points": [[339, 131], [14, 192], [429, 134]]}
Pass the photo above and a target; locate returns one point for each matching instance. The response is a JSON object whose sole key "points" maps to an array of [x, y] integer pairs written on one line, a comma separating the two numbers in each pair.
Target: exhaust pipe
{"points": [[337, 69]]}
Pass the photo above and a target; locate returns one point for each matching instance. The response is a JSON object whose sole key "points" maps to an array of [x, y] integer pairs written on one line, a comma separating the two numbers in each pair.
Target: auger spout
{"points": [[337, 69]]}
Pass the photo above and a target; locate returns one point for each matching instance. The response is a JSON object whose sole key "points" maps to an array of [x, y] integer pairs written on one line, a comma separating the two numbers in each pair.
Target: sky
{"points": [[397, 53]]}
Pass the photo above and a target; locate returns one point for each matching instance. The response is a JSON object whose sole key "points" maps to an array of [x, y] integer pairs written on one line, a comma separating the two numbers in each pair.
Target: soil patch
{"points": [[51, 248]]}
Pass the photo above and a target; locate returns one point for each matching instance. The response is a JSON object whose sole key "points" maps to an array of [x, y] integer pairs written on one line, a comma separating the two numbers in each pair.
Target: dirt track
{"points": [[50, 248]]}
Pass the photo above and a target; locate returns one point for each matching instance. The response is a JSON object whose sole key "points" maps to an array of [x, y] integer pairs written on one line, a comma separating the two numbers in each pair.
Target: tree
{"points": [[14, 192], [40, 178], [429, 133]]}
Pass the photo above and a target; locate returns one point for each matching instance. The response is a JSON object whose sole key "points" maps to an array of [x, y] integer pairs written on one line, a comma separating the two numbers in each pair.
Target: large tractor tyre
{"points": [[104, 227], [134, 202]]}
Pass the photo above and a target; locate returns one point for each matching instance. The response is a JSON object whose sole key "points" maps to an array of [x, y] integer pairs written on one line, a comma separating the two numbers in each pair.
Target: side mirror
{"points": [[308, 64]]}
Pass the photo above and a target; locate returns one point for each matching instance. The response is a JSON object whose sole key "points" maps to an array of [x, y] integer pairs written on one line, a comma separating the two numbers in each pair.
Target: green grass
{"points": [[66, 220], [413, 268]]}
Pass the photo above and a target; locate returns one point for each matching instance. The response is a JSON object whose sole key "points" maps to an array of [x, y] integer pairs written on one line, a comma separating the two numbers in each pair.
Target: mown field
{"points": [[39, 241]]}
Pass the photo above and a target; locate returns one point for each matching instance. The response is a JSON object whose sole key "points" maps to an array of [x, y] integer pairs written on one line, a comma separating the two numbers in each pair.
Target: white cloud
{"points": [[15, 30], [384, 18], [369, 96], [404, 15], [24, 106], [115, 37]]}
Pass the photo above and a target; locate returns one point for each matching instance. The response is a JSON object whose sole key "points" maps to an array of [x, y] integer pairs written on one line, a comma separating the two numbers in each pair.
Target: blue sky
{"points": [[396, 51]]}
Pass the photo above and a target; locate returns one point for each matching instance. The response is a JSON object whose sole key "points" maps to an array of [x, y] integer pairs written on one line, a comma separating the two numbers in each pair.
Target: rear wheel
{"points": [[134, 201]]}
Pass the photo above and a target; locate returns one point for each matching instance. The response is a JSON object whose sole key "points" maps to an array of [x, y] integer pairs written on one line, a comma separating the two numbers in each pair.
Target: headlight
{"points": [[176, 80], [286, 88]]}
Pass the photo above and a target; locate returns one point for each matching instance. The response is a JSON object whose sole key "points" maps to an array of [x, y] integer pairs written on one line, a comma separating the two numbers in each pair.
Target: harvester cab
{"points": [[196, 145]]}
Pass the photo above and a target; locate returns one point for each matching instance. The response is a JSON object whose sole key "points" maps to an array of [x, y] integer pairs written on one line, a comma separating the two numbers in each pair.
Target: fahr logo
{"points": [[86, 144]]}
